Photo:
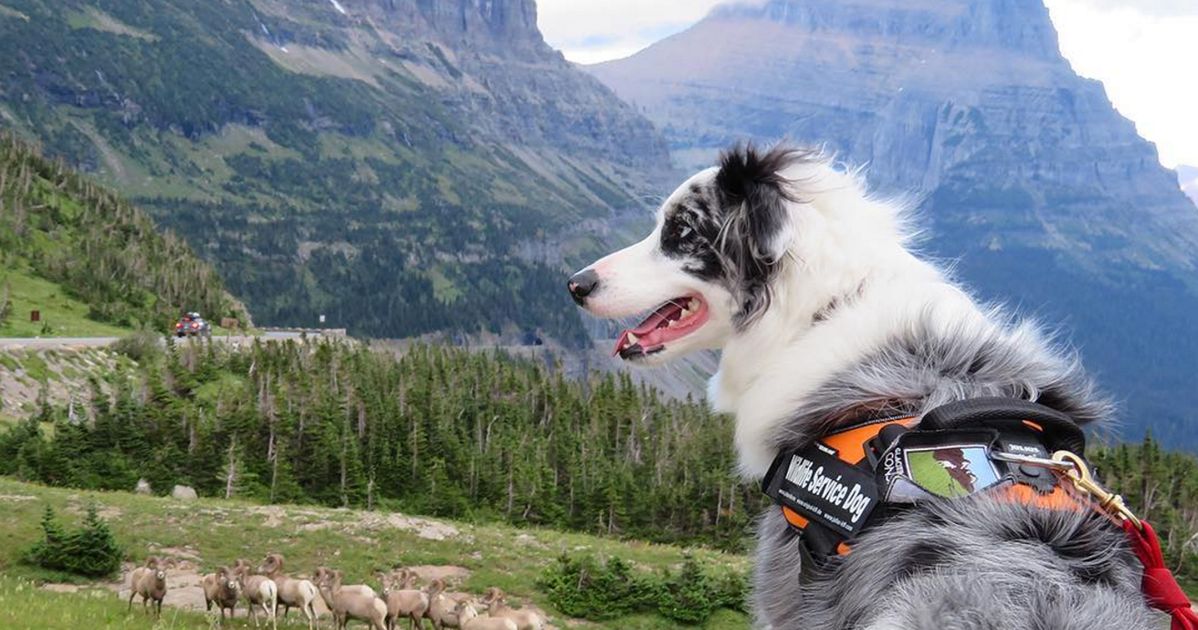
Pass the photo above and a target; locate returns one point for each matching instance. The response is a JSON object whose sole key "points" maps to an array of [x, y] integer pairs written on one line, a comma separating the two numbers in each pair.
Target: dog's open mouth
{"points": [[671, 321]]}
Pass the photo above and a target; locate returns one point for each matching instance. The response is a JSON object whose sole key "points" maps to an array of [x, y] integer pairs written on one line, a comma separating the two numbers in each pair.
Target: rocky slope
{"points": [[402, 166], [1027, 175]]}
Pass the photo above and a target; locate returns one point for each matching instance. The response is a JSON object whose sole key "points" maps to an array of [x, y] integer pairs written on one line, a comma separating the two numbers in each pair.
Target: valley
{"points": [[401, 172]]}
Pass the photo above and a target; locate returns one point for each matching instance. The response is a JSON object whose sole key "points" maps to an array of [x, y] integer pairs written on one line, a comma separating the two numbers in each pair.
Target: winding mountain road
{"points": [[48, 343]]}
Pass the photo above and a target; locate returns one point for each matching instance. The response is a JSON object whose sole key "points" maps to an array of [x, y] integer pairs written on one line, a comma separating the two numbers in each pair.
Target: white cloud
{"points": [[1150, 7], [1145, 60], [590, 31]]}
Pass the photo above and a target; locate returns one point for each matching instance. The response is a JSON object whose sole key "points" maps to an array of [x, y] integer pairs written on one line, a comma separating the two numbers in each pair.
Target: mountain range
{"points": [[1029, 183], [401, 166]]}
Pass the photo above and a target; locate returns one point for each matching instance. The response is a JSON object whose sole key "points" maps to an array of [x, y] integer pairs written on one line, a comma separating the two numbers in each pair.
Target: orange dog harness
{"points": [[837, 486]]}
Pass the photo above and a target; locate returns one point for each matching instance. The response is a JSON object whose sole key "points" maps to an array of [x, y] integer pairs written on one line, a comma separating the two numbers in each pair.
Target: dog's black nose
{"points": [[583, 284]]}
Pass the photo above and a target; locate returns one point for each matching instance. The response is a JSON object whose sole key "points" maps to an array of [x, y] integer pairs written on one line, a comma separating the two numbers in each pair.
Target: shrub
{"points": [[689, 597], [140, 346], [583, 587], [586, 589], [5, 303], [90, 551]]}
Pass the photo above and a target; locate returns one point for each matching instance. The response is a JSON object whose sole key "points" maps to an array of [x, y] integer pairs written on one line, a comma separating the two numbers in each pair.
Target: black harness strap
{"points": [[836, 487]]}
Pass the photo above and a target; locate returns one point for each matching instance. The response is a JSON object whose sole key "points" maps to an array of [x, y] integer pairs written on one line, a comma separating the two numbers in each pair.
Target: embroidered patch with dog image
{"points": [[951, 471]]}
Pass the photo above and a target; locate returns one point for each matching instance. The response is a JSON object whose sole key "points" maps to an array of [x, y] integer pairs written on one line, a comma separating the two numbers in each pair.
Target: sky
{"points": [[1144, 51]]}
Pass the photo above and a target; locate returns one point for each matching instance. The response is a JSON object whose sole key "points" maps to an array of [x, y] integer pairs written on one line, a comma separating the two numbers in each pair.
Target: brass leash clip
{"points": [[1079, 474]]}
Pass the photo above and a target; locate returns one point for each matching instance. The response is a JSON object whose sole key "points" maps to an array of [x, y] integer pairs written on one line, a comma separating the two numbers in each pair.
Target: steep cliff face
{"points": [[1044, 195], [401, 166], [509, 26]]}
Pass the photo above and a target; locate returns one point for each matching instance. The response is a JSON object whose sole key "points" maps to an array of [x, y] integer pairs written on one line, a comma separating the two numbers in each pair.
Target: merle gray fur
{"points": [[961, 564]]}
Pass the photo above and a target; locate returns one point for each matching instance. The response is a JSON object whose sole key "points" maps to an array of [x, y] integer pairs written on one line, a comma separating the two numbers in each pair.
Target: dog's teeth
{"points": [[632, 339], [672, 323], [693, 305], [686, 312]]}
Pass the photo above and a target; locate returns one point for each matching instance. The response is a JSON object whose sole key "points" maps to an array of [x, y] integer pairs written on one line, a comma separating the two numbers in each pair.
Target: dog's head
{"points": [[704, 274]]}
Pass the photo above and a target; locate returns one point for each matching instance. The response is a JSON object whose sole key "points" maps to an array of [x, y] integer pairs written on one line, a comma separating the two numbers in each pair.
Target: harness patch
{"points": [[821, 487], [952, 470]]}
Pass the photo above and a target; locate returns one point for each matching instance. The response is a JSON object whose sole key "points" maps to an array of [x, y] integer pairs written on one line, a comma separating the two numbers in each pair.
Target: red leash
{"points": [[1159, 586]]}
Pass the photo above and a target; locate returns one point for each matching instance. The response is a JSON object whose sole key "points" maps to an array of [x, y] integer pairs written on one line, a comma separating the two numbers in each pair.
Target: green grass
{"points": [[357, 542], [61, 314], [25, 606]]}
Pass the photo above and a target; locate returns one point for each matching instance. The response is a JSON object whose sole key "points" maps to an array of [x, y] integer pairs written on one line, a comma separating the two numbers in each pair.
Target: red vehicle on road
{"points": [[192, 325]]}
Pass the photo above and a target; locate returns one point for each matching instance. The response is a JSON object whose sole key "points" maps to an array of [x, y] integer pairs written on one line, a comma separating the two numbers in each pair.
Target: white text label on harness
{"points": [[825, 488]]}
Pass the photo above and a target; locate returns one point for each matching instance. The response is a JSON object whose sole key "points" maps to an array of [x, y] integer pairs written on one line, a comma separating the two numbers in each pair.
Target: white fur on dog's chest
{"points": [[766, 385]]}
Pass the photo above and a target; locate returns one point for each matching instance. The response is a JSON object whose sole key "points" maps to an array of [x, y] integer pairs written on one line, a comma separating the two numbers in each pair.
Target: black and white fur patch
{"points": [[729, 229]]}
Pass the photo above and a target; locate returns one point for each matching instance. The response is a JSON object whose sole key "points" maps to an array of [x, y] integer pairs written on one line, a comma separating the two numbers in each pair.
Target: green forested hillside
{"points": [[438, 431], [379, 167], [452, 433], [102, 252]]}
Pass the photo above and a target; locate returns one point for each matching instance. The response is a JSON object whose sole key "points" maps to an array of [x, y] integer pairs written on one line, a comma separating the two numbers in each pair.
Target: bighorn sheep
{"points": [[496, 603], [351, 602], [222, 588], [291, 592], [403, 600], [149, 582], [468, 617], [441, 609], [323, 573], [259, 590]]}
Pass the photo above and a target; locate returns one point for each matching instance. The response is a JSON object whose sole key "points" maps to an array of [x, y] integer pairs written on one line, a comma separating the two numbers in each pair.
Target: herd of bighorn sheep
{"points": [[268, 589]]}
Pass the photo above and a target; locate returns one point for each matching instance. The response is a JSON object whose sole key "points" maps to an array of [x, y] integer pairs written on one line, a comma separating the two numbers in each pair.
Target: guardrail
{"points": [[324, 332]]}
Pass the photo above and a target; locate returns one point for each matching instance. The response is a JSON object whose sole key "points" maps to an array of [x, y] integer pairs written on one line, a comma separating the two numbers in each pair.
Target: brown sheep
{"points": [[441, 609], [351, 602], [469, 619], [291, 592], [259, 591], [403, 600], [496, 602], [224, 589], [149, 582]]}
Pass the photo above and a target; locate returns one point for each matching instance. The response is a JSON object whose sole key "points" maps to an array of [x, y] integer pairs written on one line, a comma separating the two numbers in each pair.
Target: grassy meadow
{"points": [[61, 314], [207, 533]]}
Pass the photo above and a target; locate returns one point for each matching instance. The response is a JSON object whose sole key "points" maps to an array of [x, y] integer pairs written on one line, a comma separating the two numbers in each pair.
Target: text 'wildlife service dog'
{"points": [[923, 450]]}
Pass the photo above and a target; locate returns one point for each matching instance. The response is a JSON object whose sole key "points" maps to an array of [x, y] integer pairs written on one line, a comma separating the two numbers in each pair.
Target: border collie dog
{"points": [[824, 316]]}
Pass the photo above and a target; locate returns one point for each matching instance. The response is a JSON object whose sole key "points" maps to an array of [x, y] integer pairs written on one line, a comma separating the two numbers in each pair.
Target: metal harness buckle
{"points": [[1079, 474]]}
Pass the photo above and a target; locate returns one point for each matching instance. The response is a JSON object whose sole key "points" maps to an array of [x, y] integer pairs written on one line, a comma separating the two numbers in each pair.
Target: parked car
{"points": [[192, 325]]}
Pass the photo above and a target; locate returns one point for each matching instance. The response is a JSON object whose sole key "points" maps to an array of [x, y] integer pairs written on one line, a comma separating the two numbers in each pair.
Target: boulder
{"points": [[184, 493], [143, 487]]}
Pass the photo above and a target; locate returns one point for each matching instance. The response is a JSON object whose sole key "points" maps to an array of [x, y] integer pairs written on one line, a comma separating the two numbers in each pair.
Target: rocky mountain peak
{"points": [[1013, 25], [510, 24]]}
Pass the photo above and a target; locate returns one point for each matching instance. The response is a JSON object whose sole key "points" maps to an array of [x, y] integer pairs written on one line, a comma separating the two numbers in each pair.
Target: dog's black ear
{"points": [[754, 191]]}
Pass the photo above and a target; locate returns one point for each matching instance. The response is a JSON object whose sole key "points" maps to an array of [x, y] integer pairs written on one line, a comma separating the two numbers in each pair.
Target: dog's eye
{"points": [[685, 232]]}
